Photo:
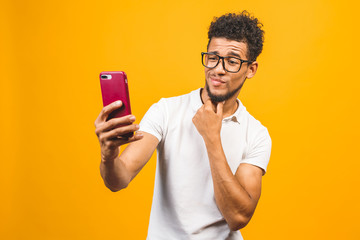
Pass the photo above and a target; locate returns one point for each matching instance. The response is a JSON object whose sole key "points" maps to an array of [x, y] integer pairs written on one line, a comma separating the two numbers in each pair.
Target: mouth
{"points": [[217, 82]]}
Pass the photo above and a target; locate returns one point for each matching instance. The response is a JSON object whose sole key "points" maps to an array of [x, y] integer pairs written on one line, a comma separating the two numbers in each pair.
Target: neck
{"points": [[230, 105]]}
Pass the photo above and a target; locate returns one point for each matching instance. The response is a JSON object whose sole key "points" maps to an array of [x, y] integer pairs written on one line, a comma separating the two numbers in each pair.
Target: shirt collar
{"points": [[196, 103]]}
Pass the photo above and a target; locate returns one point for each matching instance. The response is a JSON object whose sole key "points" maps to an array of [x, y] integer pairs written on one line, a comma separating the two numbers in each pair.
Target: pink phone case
{"points": [[114, 86]]}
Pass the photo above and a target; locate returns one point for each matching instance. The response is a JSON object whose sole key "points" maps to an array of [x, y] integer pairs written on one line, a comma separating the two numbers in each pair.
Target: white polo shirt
{"points": [[183, 204]]}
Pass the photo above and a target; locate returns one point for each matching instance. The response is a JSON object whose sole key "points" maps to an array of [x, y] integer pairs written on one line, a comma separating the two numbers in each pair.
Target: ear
{"points": [[252, 69]]}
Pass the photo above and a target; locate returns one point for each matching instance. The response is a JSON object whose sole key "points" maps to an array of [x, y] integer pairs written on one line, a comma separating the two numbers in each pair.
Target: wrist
{"points": [[108, 160], [213, 140]]}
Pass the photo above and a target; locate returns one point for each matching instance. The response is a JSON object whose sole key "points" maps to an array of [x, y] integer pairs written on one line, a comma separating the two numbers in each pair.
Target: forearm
{"points": [[234, 202], [236, 195], [114, 174]]}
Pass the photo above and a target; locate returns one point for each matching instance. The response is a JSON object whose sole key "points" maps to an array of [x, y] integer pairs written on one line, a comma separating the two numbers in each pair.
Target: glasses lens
{"points": [[232, 64], [210, 60]]}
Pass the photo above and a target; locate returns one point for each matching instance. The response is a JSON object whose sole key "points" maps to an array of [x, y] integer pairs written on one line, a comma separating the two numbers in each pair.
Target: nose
{"points": [[219, 69]]}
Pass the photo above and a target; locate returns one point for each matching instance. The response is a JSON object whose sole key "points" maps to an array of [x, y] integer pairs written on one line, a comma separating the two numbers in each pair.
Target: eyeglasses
{"points": [[230, 64]]}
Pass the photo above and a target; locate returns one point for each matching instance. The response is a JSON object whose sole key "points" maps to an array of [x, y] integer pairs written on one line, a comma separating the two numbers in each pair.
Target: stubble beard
{"points": [[220, 98]]}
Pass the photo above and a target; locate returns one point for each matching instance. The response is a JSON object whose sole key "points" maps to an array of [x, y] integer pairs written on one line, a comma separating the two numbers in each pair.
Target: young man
{"points": [[212, 153]]}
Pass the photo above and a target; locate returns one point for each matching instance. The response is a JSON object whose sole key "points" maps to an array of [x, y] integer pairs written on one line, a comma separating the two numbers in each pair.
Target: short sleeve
{"points": [[259, 150], [153, 121]]}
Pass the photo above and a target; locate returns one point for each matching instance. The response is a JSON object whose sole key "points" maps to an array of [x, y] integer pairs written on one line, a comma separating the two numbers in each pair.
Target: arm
{"points": [[117, 174], [117, 171], [235, 195]]}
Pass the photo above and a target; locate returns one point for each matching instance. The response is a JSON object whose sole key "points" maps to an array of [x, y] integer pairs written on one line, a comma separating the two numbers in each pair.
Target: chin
{"points": [[216, 97]]}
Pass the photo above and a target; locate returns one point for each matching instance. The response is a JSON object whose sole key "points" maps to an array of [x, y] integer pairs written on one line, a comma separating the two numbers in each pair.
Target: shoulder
{"points": [[182, 102], [258, 141], [181, 99], [254, 127], [167, 113]]}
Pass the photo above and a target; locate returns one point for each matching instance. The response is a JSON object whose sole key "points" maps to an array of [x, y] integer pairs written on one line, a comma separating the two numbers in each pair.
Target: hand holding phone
{"points": [[115, 124], [114, 87]]}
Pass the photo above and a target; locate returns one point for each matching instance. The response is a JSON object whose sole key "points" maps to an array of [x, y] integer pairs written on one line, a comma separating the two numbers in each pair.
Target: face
{"points": [[220, 84]]}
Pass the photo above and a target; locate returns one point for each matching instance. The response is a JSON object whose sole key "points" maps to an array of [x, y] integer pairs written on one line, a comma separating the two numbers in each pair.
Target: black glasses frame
{"points": [[223, 61]]}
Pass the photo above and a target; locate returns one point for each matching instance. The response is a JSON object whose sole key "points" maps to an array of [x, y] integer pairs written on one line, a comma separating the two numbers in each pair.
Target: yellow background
{"points": [[306, 92]]}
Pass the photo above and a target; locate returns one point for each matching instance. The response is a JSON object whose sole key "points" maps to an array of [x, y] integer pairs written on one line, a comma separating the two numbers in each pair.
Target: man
{"points": [[212, 153]]}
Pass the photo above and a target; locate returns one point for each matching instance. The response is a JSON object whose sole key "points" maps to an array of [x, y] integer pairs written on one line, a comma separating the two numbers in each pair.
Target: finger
{"points": [[194, 119], [117, 142], [106, 111], [116, 122], [113, 124], [208, 102], [120, 131], [220, 108], [137, 136], [209, 105]]}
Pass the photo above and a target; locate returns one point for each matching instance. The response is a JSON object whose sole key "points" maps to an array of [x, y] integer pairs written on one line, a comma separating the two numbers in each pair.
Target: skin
{"points": [[118, 171], [236, 195]]}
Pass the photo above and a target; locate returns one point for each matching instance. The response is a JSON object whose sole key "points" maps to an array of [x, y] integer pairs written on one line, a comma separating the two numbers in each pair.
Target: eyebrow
{"points": [[230, 53], [214, 52], [234, 54]]}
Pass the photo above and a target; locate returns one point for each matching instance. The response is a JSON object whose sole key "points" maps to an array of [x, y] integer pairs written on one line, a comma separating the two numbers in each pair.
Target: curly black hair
{"points": [[240, 27]]}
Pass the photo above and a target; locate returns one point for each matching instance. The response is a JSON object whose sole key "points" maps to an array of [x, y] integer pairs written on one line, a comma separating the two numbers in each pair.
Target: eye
{"points": [[212, 57], [233, 61]]}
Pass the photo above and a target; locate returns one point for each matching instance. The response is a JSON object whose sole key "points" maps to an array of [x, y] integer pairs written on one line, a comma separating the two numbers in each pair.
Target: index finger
{"points": [[107, 110], [209, 104]]}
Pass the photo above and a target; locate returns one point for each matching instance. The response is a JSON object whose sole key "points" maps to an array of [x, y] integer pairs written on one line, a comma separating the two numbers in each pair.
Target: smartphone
{"points": [[114, 86]]}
